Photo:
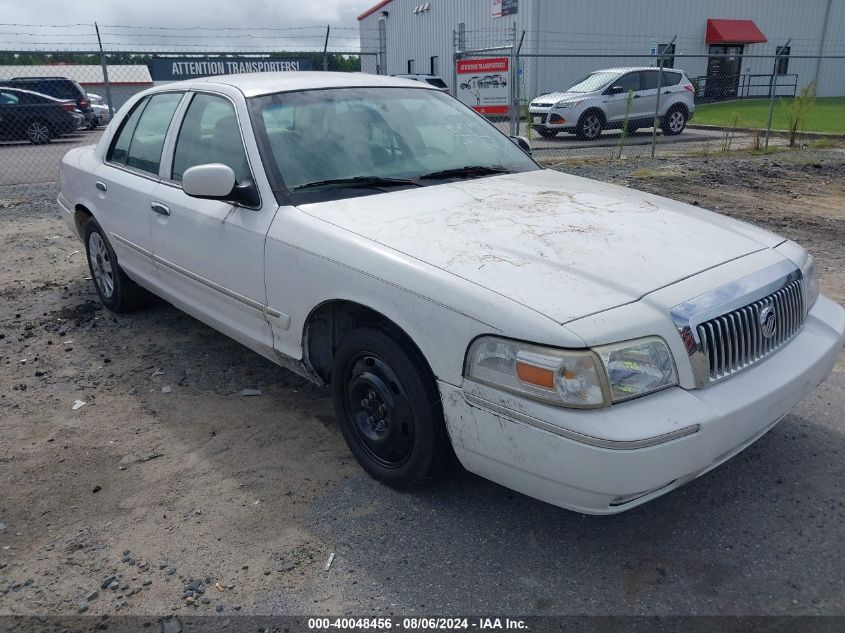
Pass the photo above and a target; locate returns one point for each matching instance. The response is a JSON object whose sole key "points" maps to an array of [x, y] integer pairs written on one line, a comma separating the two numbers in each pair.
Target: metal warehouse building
{"points": [[721, 44]]}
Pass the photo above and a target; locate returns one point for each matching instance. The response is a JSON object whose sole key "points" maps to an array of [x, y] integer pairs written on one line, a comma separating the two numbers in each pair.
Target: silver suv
{"points": [[599, 101]]}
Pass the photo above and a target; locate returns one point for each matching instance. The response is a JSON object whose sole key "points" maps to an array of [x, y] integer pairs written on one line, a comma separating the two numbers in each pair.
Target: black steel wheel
{"points": [[388, 407]]}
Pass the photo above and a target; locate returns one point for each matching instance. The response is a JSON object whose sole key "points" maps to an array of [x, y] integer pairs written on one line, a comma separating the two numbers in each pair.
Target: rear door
{"points": [[648, 95], [125, 181], [210, 253]]}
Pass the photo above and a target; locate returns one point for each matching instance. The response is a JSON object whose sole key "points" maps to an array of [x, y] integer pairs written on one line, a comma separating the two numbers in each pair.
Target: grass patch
{"points": [[826, 116]]}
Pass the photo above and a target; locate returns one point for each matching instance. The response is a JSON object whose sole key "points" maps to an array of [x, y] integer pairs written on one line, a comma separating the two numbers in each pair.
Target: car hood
{"points": [[561, 245], [554, 97]]}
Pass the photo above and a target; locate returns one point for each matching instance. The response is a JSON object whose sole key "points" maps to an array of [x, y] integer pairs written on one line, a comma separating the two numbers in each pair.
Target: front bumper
{"points": [[600, 473], [552, 118]]}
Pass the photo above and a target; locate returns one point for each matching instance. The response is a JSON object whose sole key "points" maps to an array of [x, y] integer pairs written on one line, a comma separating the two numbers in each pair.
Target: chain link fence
{"points": [[614, 104], [53, 99]]}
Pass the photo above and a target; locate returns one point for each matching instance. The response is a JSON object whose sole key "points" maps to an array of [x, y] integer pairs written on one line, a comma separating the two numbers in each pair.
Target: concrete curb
{"points": [[751, 130]]}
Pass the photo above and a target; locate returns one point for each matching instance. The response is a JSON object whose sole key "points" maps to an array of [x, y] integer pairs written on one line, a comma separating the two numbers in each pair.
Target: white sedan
{"points": [[585, 344]]}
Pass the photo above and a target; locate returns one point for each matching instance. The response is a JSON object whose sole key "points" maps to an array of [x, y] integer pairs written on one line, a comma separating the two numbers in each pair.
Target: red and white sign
{"points": [[483, 84]]}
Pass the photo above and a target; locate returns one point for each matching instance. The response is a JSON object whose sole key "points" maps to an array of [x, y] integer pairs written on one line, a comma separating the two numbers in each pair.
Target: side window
{"points": [[631, 81], [147, 141], [671, 79], [210, 134], [7, 98], [120, 146], [649, 79]]}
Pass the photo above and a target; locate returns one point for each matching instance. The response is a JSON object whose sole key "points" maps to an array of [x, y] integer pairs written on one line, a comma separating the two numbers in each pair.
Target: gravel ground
{"points": [[169, 487]]}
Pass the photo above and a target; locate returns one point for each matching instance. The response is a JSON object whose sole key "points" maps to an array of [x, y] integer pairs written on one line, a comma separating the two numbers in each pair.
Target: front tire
{"points": [[674, 122], [590, 126], [117, 292], [388, 407]]}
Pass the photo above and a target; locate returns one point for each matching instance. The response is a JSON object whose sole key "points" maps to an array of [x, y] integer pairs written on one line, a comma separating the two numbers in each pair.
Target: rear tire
{"points": [[117, 292], [674, 121], [590, 125], [38, 132], [388, 408]]}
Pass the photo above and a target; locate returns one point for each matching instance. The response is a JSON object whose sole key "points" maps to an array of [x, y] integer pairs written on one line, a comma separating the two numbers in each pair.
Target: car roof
{"points": [[256, 84], [634, 68], [30, 92]]}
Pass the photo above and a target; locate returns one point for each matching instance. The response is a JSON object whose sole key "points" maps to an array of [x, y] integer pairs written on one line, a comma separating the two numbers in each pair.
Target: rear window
{"points": [[671, 79]]}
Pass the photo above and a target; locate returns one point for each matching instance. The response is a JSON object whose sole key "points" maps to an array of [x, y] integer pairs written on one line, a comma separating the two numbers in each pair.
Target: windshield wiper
{"points": [[360, 182], [470, 171]]}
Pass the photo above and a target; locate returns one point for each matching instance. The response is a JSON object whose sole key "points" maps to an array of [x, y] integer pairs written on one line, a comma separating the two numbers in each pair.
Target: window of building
{"points": [[412, 67], [782, 66], [435, 65], [667, 52]]}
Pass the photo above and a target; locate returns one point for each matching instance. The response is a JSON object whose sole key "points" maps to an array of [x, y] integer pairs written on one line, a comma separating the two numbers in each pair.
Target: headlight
{"points": [[562, 377], [638, 367], [566, 104], [811, 282]]}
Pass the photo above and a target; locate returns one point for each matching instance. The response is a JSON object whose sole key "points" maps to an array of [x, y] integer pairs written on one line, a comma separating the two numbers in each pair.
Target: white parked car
{"points": [[101, 109], [586, 344], [600, 101]]}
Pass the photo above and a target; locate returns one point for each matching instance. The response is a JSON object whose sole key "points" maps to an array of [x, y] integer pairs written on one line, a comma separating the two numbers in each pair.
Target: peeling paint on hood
{"points": [[561, 245]]}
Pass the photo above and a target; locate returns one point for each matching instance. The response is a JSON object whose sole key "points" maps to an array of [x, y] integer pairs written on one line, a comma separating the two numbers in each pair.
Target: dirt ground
{"points": [[169, 477]]}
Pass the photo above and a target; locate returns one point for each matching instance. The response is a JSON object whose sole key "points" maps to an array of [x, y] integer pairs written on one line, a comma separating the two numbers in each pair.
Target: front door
{"points": [[210, 253], [617, 103], [724, 68]]}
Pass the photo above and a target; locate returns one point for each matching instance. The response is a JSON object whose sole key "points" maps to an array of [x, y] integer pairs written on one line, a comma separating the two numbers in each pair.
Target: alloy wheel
{"points": [[101, 266], [38, 132], [592, 126], [676, 121]]}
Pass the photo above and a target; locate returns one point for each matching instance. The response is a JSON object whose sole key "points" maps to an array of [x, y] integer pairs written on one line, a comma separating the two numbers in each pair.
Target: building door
{"points": [[724, 68]]}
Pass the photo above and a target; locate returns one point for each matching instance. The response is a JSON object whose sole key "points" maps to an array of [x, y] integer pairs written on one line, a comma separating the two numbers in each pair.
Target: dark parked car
{"points": [[60, 88], [36, 117]]}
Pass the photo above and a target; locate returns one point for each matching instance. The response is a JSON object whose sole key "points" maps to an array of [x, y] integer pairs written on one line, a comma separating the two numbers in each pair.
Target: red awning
{"points": [[733, 32]]}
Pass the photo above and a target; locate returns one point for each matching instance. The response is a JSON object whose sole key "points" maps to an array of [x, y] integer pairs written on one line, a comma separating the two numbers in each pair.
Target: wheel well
{"points": [[593, 110], [80, 216], [330, 321], [679, 106]]}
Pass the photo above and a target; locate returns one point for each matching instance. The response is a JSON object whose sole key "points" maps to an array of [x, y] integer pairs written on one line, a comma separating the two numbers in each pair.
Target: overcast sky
{"points": [[249, 14]]}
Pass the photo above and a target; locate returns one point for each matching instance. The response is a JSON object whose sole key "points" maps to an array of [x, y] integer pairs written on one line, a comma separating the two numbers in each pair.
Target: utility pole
{"points": [[105, 71], [659, 88], [326, 48]]}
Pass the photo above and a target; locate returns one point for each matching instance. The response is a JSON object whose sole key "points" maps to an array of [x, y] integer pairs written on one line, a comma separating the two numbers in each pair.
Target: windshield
{"points": [[593, 82], [322, 138]]}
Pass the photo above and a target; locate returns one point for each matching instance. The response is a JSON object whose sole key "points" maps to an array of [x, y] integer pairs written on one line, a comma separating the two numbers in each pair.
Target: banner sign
{"points": [[179, 68], [483, 84], [501, 8]]}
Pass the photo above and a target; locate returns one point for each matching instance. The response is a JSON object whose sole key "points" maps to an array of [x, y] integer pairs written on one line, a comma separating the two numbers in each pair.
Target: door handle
{"points": [[100, 185], [636, 96], [159, 208]]}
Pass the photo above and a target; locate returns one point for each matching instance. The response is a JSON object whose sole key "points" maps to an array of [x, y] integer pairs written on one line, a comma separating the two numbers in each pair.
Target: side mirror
{"points": [[216, 181], [614, 90], [523, 144]]}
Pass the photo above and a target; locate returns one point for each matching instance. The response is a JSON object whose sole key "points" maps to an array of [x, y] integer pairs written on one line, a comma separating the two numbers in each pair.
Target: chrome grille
{"points": [[542, 105], [735, 340]]}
